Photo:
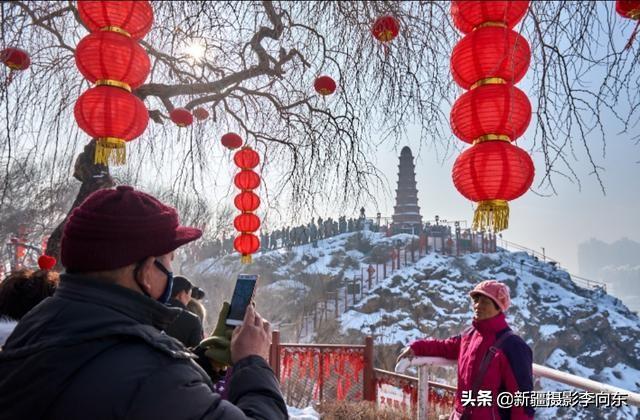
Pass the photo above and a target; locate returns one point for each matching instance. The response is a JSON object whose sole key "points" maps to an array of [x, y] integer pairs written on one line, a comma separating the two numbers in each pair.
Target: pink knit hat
{"points": [[496, 291]]}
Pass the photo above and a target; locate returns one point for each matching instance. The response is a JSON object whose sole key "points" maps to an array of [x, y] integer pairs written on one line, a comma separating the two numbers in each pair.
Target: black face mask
{"points": [[166, 294]]}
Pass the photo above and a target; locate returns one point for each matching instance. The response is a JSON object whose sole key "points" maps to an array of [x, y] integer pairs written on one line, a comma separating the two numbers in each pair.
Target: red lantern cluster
{"points": [[324, 85], [247, 202], [385, 28], [231, 141], [488, 61], [111, 57]]}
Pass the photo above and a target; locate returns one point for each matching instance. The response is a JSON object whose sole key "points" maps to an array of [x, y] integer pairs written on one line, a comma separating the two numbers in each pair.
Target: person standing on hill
{"points": [[491, 358]]}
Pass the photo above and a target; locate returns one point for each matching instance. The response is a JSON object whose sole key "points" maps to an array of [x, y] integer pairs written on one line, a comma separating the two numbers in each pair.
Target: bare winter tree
{"points": [[255, 77]]}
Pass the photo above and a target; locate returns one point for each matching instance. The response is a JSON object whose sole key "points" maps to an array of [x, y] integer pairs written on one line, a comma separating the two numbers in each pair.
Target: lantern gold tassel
{"points": [[491, 215], [246, 259], [110, 150]]}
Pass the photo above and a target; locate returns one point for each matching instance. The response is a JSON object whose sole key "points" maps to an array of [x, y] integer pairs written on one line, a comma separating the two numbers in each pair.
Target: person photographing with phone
{"points": [[97, 346]]}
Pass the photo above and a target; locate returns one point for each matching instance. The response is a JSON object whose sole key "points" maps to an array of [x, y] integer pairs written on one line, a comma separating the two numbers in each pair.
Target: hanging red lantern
{"points": [[200, 113], [469, 15], [498, 110], [385, 28], [112, 59], [246, 158], [46, 262], [112, 116], [15, 58], [231, 141], [246, 179], [628, 8], [492, 173], [246, 244], [324, 85], [246, 222], [490, 54], [133, 18], [247, 201], [181, 117]]}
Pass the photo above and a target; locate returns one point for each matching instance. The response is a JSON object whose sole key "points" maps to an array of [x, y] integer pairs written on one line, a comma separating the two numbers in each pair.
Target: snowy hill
{"points": [[576, 330]]}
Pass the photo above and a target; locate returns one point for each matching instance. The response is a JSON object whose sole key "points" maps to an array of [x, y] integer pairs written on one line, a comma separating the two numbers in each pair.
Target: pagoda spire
{"points": [[406, 215]]}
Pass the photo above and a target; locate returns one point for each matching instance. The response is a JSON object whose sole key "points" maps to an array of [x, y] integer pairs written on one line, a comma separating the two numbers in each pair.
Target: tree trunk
{"points": [[93, 177]]}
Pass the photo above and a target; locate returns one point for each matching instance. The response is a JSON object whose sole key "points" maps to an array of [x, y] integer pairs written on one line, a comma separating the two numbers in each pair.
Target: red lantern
{"points": [[132, 17], [246, 158], [385, 28], [492, 173], [324, 85], [247, 180], [15, 58], [200, 114], [468, 15], [181, 117], [112, 116], [113, 59], [499, 109], [628, 8], [246, 222], [45, 262], [246, 244], [490, 54], [247, 201], [231, 141]]}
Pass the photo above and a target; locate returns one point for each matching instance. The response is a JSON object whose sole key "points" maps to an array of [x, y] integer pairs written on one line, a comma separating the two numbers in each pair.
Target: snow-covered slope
{"points": [[576, 330]]}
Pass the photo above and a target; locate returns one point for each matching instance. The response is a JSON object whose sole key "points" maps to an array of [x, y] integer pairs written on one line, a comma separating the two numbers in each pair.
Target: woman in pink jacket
{"points": [[491, 358]]}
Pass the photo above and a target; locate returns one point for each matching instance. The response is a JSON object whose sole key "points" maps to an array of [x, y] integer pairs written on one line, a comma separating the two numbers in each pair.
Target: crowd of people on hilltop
{"points": [[290, 236]]}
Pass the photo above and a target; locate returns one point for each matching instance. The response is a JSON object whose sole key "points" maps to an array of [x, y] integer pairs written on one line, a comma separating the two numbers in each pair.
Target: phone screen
{"points": [[242, 294]]}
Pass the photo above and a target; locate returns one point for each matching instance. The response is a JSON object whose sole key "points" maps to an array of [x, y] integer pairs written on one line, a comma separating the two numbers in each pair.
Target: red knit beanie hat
{"points": [[114, 228]]}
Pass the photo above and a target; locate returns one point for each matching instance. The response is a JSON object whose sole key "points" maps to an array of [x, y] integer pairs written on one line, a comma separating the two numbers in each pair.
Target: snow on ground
{"points": [[307, 413]]}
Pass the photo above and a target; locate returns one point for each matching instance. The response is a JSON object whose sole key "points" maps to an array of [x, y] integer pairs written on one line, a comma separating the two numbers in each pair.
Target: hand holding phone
{"points": [[242, 297], [252, 338]]}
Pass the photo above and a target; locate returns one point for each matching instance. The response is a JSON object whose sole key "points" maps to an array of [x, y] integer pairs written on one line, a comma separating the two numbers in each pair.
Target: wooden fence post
{"points": [[346, 294], [274, 353], [368, 374]]}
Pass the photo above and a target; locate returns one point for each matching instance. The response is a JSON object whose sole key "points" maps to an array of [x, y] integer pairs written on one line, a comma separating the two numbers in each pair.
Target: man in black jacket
{"points": [[96, 350], [187, 327]]}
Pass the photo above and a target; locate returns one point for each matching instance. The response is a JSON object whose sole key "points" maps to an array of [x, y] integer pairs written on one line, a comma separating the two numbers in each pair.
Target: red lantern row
{"points": [[247, 201], [489, 60], [111, 57]]}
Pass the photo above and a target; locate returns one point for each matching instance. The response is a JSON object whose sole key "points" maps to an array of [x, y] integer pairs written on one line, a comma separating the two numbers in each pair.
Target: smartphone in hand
{"points": [[242, 296]]}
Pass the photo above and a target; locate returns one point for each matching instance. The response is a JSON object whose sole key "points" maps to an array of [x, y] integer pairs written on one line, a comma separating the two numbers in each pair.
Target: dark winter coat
{"points": [[510, 370], [95, 351], [187, 327]]}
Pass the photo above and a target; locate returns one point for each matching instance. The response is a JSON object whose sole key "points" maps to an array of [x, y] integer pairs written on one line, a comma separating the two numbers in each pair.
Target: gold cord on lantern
{"points": [[488, 81], [491, 24], [491, 215], [114, 83], [491, 137], [117, 30], [633, 14], [110, 150], [246, 259]]}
